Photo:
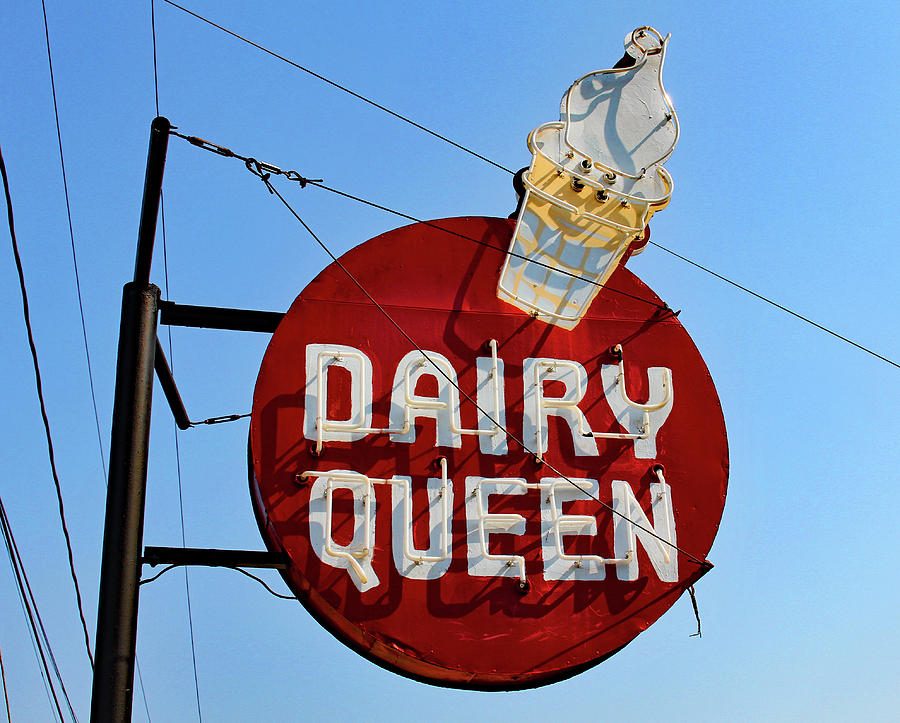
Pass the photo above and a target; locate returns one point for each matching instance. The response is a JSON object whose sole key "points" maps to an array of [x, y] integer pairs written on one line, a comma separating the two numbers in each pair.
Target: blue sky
{"points": [[784, 181]]}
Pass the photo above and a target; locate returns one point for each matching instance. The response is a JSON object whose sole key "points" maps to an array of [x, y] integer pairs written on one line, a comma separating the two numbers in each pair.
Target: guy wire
{"points": [[341, 87], [465, 394]]}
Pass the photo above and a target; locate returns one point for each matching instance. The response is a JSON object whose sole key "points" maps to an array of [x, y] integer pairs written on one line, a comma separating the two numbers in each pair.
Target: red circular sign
{"points": [[454, 550]]}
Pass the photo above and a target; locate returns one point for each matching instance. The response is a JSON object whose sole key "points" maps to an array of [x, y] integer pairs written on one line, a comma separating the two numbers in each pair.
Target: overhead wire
{"points": [[33, 616], [40, 656], [482, 242], [87, 640], [148, 580], [508, 170], [520, 443], [343, 88], [187, 584], [62, 164], [40, 392], [785, 309], [241, 570], [318, 184], [258, 167], [334, 258], [5, 691], [33, 639], [81, 305], [264, 172]]}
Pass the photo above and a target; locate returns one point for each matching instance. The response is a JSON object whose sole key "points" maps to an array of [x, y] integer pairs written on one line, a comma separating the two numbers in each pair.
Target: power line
{"points": [[264, 172], [162, 212], [87, 353], [33, 616], [229, 567], [520, 443], [40, 393], [81, 305], [34, 647], [321, 185], [777, 305], [187, 585], [482, 242], [29, 619], [259, 168], [5, 691], [45, 680], [318, 184], [62, 165], [343, 88]]}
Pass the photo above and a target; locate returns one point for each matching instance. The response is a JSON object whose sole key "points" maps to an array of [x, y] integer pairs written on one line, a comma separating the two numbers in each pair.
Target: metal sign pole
{"points": [[123, 532]]}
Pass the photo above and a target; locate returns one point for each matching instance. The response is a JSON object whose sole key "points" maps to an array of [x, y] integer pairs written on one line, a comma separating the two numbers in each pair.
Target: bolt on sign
{"points": [[515, 461]]}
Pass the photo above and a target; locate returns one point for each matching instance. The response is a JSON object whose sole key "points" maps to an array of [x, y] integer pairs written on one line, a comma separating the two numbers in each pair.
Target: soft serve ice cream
{"points": [[595, 179]]}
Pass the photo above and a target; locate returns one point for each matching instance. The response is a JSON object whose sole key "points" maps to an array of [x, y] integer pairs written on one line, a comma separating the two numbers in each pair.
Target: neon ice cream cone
{"points": [[594, 182]]}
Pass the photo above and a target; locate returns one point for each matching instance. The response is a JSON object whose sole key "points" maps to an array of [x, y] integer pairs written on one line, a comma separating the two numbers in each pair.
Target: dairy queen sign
{"points": [[491, 453]]}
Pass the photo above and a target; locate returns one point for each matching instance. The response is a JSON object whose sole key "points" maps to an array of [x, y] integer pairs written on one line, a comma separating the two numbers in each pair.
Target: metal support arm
{"points": [[214, 317], [167, 382], [211, 557]]}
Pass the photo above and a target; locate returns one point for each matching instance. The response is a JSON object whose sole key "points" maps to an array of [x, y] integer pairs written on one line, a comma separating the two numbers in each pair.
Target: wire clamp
{"points": [[220, 420]]}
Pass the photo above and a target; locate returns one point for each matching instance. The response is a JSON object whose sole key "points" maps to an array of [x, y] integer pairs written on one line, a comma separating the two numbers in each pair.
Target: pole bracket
{"points": [[212, 557]]}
